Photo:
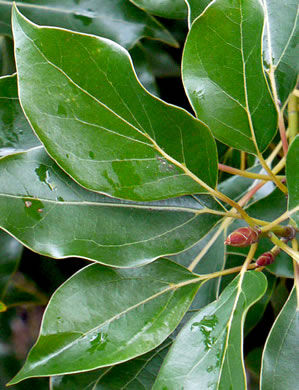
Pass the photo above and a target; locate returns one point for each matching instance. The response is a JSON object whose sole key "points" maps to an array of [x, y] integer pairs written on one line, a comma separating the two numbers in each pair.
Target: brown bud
{"points": [[242, 237], [291, 232], [265, 259]]}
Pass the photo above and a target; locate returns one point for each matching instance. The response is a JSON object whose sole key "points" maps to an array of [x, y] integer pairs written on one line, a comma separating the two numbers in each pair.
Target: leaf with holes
{"points": [[36, 194]]}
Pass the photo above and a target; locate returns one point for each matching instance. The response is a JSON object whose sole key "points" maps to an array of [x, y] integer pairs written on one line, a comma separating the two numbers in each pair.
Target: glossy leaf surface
{"points": [[223, 74], [281, 45], [48, 212], [292, 172], [117, 20], [10, 255], [159, 59], [280, 357], [256, 312], [253, 367], [7, 63], [208, 351], [279, 296], [195, 8], [100, 125], [176, 9], [15, 132], [212, 251], [136, 373], [269, 207], [143, 69], [101, 317]]}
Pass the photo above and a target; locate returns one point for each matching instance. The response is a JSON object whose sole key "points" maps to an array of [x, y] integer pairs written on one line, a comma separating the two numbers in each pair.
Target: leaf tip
{"points": [[14, 10], [15, 14], [19, 377]]}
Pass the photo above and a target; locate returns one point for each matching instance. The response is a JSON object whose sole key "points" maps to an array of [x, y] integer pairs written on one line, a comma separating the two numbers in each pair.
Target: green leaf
{"points": [[48, 212], [15, 132], [292, 173], [143, 69], [195, 8], [7, 62], [270, 207], [159, 59], [211, 251], [280, 51], [253, 367], [117, 20], [102, 316], [212, 258], [10, 256], [257, 311], [279, 297], [223, 74], [99, 124], [175, 9], [280, 356], [208, 351], [134, 374]]}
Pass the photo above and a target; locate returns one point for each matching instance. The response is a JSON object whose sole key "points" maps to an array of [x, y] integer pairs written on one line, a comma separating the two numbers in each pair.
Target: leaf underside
{"points": [[175, 9], [117, 20]]}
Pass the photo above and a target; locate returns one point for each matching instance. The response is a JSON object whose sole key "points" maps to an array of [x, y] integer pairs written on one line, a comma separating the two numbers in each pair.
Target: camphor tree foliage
{"points": [[188, 219]]}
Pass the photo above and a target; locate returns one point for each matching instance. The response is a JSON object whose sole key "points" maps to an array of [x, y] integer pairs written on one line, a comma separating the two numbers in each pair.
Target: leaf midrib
{"points": [[104, 204], [115, 317], [84, 91], [143, 133]]}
